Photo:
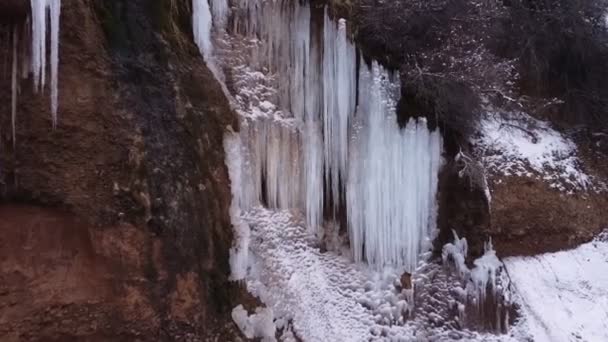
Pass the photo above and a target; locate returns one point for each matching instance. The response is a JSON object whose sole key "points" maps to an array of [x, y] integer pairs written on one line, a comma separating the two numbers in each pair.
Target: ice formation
{"points": [[14, 86], [201, 26], [308, 147], [240, 250], [220, 11], [485, 291], [257, 325], [339, 95], [392, 177], [45, 14], [40, 10]]}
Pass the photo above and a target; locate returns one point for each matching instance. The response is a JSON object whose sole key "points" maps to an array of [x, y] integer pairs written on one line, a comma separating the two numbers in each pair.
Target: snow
{"points": [[328, 297], [40, 10], [523, 146], [564, 295]]}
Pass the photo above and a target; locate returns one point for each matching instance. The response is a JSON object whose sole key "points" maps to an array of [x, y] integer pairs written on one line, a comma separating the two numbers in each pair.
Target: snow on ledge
{"points": [[523, 146]]}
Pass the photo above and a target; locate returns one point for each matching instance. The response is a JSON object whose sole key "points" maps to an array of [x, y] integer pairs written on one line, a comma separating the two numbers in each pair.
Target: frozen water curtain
{"points": [[319, 133]]}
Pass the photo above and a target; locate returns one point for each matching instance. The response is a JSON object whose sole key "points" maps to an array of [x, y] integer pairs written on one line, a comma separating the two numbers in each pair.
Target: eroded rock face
{"points": [[121, 231], [528, 217]]}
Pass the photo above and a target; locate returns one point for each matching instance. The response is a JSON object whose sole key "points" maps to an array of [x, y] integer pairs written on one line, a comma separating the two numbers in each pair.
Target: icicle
{"points": [[239, 253], [201, 25], [39, 51], [55, 12], [38, 42], [339, 83], [14, 85], [220, 11], [312, 146]]}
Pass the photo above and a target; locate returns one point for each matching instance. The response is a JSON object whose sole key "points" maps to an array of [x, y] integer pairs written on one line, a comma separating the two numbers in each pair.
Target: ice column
{"points": [[14, 85], [392, 178], [339, 94], [220, 11], [201, 25], [239, 253]]}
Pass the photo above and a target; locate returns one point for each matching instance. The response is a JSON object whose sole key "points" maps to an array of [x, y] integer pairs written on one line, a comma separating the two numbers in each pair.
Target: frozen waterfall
{"points": [[320, 136]]}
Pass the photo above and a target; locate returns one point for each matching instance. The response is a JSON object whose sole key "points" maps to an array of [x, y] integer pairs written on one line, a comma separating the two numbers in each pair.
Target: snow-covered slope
{"points": [[564, 295], [516, 144]]}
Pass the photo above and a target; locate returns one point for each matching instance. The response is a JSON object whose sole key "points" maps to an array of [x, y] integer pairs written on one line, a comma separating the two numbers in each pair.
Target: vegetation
{"points": [[544, 57]]}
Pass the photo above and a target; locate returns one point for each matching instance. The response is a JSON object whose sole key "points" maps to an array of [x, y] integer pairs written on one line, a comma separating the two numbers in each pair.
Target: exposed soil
{"points": [[528, 217], [115, 225]]}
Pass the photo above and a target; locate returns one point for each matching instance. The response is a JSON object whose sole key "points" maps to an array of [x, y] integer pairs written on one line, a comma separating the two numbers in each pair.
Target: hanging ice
{"points": [[307, 148], [339, 95], [39, 49], [239, 253], [392, 178], [201, 26], [220, 11], [14, 86]]}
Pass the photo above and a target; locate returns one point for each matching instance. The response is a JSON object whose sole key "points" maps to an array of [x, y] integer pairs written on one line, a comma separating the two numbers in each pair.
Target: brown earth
{"points": [[526, 216], [115, 225]]}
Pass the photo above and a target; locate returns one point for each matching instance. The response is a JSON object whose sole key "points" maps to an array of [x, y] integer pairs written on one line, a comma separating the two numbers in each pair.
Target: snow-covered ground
{"points": [[564, 295], [325, 296]]}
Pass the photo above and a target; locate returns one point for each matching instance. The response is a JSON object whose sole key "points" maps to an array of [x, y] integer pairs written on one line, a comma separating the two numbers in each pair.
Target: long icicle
{"points": [[55, 11], [14, 85]]}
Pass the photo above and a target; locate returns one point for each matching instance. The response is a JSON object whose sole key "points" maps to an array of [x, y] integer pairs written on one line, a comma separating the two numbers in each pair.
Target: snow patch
{"points": [[563, 296], [523, 146]]}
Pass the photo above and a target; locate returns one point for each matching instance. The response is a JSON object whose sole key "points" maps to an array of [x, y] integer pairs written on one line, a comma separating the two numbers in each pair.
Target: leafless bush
{"points": [[543, 57]]}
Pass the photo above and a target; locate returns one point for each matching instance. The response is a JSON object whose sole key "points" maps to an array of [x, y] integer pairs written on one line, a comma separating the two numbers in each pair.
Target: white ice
{"points": [[392, 181], [201, 26], [40, 10]]}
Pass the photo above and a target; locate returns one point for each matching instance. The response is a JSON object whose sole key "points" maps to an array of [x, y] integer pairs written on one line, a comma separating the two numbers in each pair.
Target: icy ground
{"points": [[564, 295], [517, 144], [324, 296]]}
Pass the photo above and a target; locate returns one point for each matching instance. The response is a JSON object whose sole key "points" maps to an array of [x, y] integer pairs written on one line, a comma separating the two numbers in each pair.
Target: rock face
{"points": [[115, 225]]}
